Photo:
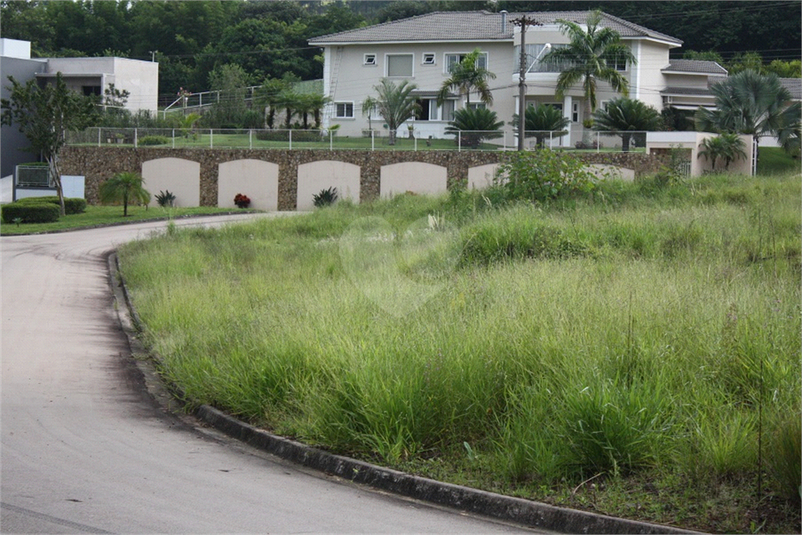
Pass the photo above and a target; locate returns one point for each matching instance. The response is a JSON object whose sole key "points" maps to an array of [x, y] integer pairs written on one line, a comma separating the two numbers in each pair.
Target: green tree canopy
{"points": [[541, 122], [750, 103], [474, 125]]}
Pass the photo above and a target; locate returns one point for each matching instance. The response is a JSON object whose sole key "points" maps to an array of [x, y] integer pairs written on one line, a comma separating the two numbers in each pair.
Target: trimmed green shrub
{"points": [[153, 140], [72, 205], [30, 212]]}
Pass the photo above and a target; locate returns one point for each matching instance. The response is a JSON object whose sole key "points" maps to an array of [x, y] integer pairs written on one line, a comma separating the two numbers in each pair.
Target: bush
{"points": [[165, 198], [72, 205], [30, 212], [541, 175], [153, 140], [326, 197]]}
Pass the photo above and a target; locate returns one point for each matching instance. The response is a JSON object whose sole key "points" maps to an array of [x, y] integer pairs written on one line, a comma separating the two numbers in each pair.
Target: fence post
{"points": [[290, 131], [372, 140], [459, 140], [173, 137], [99, 132], [415, 138], [598, 141], [331, 140], [250, 139], [211, 138], [136, 138]]}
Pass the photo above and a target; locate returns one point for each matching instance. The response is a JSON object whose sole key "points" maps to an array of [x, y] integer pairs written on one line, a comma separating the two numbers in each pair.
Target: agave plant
{"points": [[326, 197]]}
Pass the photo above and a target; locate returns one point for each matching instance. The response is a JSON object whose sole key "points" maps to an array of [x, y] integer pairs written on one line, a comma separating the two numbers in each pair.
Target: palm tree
{"points": [[541, 121], [270, 96], [124, 187], [590, 56], [727, 146], [395, 104], [627, 118], [467, 76], [475, 125], [750, 103]]}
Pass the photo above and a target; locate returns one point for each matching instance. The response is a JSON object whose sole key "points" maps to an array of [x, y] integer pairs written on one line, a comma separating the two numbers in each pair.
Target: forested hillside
{"points": [[268, 39]]}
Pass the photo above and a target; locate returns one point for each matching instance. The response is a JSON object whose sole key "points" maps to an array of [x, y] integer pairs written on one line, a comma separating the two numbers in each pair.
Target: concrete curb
{"points": [[509, 509]]}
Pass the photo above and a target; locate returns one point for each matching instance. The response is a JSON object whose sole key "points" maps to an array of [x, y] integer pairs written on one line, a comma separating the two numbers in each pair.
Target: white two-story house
{"points": [[422, 49]]}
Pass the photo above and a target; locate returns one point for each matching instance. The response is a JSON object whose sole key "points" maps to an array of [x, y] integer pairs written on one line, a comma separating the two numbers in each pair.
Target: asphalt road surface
{"points": [[86, 450]]}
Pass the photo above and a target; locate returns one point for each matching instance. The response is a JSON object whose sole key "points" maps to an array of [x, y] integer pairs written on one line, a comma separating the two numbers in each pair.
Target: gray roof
{"points": [[473, 26], [695, 66], [794, 85], [691, 91]]}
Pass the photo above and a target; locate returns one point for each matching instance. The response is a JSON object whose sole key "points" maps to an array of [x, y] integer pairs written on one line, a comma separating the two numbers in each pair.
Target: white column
{"points": [[568, 110]]}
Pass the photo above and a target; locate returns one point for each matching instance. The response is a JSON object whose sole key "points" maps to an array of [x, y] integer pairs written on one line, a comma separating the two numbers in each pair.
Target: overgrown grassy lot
{"points": [[96, 216], [631, 350]]}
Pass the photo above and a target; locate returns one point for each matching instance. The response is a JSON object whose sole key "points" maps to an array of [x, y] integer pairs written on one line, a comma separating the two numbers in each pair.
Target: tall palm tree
{"points": [[467, 76], [750, 103], [627, 118], [395, 104], [126, 187], [590, 56]]}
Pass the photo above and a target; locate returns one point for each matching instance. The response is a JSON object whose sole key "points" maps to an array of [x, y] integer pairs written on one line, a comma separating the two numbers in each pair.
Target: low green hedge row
{"points": [[30, 212], [72, 205]]}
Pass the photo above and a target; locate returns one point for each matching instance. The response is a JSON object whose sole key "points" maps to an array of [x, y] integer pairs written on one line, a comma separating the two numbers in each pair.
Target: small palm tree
{"points": [[395, 104], [590, 56], [468, 76], [727, 146], [475, 125], [541, 121], [126, 188], [627, 118]]}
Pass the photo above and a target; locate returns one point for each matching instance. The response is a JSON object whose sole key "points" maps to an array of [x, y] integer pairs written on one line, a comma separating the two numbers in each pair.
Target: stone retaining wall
{"points": [[98, 164]]}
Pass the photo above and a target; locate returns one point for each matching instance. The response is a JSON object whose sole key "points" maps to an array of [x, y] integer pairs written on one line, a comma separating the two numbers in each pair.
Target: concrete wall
{"points": [[201, 169], [12, 142], [664, 142], [178, 176], [324, 174], [254, 178]]}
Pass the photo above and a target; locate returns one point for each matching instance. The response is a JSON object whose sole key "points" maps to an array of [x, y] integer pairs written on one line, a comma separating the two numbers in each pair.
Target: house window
{"points": [[345, 110], [534, 59], [453, 59], [477, 106], [369, 59], [619, 63], [427, 110], [91, 90], [428, 59], [399, 65], [575, 113], [448, 110]]}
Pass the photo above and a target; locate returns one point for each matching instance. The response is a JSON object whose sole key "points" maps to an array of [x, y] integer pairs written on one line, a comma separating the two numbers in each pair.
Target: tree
{"points": [[474, 125], [467, 76], [395, 104], [542, 121], [591, 55], [44, 115], [727, 146], [750, 103], [627, 118], [126, 187]]}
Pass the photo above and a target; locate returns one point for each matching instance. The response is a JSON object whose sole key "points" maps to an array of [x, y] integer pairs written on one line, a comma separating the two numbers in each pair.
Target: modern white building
{"points": [[89, 76], [421, 49]]}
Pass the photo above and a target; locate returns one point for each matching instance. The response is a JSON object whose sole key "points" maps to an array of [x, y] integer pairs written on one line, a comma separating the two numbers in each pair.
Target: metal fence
{"points": [[293, 139]]}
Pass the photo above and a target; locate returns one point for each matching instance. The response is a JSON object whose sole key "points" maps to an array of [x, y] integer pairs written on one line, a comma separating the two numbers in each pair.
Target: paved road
{"points": [[84, 450]]}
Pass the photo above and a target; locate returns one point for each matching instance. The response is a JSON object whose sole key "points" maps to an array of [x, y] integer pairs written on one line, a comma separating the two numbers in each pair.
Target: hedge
{"points": [[30, 212], [72, 205]]}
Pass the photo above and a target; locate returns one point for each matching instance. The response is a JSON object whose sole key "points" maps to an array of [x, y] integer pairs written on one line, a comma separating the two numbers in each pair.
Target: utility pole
{"points": [[523, 21]]}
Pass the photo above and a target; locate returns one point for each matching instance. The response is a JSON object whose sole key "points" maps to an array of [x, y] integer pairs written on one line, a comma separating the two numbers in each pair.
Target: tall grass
{"points": [[617, 333]]}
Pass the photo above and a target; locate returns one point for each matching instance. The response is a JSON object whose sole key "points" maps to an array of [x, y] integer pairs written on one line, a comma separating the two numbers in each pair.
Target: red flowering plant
{"points": [[242, 200]]}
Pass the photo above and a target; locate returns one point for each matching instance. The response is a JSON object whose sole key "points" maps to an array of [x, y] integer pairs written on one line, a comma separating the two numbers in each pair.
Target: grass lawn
{"points": [[774, 160], [106, 215], [633, 350]]}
